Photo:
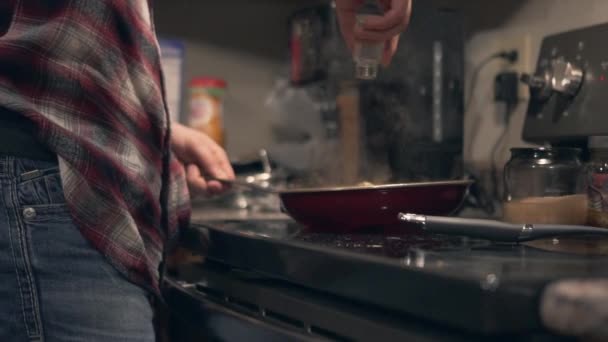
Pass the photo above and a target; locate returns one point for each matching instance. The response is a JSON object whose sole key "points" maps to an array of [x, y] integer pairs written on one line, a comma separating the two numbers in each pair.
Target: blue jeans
{"points": [[54, 286]]}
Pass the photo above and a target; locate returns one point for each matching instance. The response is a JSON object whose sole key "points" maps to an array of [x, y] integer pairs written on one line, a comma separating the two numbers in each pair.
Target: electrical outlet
{"points": [[523, 44]]}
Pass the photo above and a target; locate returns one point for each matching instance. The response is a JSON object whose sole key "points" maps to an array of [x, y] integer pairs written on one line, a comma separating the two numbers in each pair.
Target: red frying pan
{"points": [[354, 208], [348, 209]]}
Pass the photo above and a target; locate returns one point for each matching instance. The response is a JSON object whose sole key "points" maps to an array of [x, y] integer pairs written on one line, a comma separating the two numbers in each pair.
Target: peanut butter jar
{"points": [[207, 107]]}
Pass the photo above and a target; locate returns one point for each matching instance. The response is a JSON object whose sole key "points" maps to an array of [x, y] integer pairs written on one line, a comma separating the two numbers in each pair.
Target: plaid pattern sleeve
{"points": [[87, 72]]}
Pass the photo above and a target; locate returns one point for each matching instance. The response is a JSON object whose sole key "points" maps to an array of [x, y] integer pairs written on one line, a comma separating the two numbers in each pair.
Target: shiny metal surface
{"points": [[540, 84], [566, 78], [452, 256], [413, 218], [381, 187], [526, 232], [249, 185]]}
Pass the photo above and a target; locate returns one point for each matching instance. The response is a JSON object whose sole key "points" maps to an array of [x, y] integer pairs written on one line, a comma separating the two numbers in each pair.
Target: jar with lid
{"points": [[206, 107], [545, 185], [597, 182]]}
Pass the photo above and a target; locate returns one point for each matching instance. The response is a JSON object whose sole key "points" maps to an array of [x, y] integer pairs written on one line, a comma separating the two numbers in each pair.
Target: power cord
{"points": [[511, 56], [510, 107], [482, 196]]}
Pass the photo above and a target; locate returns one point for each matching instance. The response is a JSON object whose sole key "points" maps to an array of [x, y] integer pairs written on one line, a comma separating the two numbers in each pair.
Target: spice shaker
{"points": [[597, 182], [545, 185], [368, 55]]}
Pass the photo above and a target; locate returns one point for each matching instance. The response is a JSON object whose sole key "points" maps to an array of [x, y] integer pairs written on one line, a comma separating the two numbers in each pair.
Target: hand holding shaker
{"points": [[368, 55]]}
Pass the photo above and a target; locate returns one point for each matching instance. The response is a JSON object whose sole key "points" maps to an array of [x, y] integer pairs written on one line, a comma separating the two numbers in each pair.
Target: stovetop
{"points": [[550, 258], [427, 276]]}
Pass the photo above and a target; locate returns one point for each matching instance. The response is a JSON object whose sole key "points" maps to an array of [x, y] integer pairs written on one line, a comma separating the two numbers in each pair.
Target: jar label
{"points": [[206, 116], [598, 192], [201, 110]]}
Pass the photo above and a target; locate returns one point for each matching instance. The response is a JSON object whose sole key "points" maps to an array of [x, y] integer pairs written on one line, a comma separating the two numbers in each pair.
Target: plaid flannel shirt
{"points": [[87, 73]]}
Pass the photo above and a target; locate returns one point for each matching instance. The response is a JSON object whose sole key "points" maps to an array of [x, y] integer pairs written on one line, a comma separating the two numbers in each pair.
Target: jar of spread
{"points": [[545, 185], [206, 107], [597, 182]]}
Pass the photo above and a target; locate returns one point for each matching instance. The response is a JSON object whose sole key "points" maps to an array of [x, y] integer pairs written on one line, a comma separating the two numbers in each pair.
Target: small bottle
{"points": [[368, 55]]}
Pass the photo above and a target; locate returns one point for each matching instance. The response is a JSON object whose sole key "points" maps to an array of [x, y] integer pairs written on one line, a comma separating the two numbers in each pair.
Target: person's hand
{"points": [[378, 29], [202, 158]]}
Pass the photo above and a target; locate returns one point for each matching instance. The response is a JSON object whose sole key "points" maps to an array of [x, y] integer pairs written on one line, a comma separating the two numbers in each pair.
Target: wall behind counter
{"points": [[245, 42], [241, 41]]}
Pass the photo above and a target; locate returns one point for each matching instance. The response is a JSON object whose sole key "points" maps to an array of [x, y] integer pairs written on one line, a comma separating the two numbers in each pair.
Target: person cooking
{"points": [[95, 180]]}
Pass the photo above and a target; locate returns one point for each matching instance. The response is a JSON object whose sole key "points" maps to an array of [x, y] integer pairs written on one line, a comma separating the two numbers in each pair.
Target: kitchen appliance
{"points": [[374, 288], [567, 91], [272, 279]]}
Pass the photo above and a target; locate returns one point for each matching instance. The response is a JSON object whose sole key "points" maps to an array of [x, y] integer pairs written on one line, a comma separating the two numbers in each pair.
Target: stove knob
{"points": [[566, 78], [540, 85]]}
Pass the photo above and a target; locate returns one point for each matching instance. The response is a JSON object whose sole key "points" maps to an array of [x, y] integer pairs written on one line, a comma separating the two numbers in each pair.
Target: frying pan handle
{"points": [[496, 230], [484, 229]]}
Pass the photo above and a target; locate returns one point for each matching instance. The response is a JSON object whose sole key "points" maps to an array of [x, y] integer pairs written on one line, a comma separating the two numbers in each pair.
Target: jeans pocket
{"points": [[40, 188]]}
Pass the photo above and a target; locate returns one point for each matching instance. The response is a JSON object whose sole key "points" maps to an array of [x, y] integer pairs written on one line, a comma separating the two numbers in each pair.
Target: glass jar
{"points": [[545, 185], [207, 107], [597, 189]]}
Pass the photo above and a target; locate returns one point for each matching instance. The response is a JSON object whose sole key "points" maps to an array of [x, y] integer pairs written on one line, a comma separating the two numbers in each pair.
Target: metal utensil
{"points": [[496, 230], [247, 185]]}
